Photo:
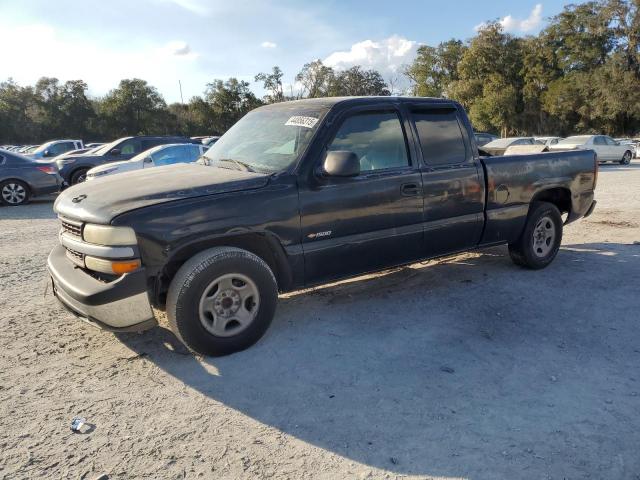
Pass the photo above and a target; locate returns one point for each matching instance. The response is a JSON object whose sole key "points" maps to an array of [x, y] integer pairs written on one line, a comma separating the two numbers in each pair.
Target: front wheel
{"points": [[14, 193], [222, 301], [540, 241], [626, 158], [79, 176]]}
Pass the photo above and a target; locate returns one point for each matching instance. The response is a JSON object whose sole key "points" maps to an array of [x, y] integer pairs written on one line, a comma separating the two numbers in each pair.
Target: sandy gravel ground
{"points": [[465, 368]]}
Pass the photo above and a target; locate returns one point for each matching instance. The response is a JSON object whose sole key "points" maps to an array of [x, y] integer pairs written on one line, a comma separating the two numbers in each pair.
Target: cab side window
{"points": [[168, 156], [60, 148], [599, 141], [440, 137], [130, 147], [376, 138]]}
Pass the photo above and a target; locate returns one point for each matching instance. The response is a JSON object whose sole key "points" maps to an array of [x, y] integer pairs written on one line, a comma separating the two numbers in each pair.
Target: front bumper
{"points": [[121, 305]]}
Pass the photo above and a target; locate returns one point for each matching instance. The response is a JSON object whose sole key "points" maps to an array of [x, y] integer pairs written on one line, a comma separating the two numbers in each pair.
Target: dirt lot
{"points": [[465, 368]]}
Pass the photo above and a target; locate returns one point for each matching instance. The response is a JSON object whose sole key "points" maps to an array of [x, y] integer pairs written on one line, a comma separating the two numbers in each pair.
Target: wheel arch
{"points": [[262, 244], [558, 196], [16, 179], [20, 180]]}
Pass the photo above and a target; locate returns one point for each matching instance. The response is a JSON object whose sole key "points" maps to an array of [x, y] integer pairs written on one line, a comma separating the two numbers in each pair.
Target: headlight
{"points": [[108, 235], [101, 172]]}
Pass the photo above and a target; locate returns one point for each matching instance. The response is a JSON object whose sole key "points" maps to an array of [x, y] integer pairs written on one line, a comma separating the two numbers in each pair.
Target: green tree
{"points": [[359, 82], [229, 101], [434, 69], [272, 83], [490, 82], [134, 108], [316, 79]]}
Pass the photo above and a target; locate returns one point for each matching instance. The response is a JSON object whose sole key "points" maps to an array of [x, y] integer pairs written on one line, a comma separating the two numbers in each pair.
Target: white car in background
{"points": [[548, 141], [154, 157], [606, 148]]}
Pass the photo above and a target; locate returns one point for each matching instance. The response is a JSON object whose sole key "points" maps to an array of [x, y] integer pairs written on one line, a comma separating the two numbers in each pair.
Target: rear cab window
{"points": [[441, 137]]}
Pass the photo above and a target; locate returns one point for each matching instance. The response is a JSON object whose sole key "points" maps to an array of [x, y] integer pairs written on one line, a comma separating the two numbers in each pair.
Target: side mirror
{"points": [[46, 153], [341, 163], [115, 151], [147, 160]]}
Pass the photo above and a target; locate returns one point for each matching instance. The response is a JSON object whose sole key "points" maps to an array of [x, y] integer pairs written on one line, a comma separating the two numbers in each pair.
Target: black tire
{"points": [[14, 193], [79, 176], [525, 252], [188, 289], [626, 158]]}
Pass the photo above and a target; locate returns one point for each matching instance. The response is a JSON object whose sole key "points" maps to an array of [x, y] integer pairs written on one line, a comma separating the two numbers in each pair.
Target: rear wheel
{"points": [[540, 241], [79, 176], [14, 193], [626, 158], [222, 301]]}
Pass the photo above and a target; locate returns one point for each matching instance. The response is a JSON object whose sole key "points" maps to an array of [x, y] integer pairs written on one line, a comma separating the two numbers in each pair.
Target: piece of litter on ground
{"points": [[77, 423], [394, 460], [447, 369], [80, 425]]}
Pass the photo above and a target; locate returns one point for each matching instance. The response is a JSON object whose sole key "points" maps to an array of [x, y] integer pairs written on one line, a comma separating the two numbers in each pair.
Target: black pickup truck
{"points": [[297, 194]]}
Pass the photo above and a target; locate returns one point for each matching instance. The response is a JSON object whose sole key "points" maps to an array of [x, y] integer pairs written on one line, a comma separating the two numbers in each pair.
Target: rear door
{"points": [[452, 183], [601, 148], [371, 221]]}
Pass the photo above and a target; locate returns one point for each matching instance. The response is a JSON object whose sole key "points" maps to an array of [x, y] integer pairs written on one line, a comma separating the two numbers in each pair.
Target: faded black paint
{"points": [[374, 220]]}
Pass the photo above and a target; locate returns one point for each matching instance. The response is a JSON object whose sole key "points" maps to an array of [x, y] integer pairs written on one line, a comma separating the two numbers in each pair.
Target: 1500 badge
{"points": [[314, 236]]}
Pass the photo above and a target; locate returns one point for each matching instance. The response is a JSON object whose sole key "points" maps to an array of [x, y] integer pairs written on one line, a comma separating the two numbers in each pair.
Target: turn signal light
{"points": [[117, 267], [125, 267]]}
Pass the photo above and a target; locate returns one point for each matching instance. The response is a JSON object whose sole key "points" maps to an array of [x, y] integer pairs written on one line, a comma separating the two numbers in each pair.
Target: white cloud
{"points": [[178, 49], [194, 6], [46, 51], [388, 56], [511, 24], [268, 45]]}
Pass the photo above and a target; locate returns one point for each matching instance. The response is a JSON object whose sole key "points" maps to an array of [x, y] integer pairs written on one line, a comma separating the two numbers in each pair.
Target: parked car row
{"points": [[607, 149], [25, 175]]}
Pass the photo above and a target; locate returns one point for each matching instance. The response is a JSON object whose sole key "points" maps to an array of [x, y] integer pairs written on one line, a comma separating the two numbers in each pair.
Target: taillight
{"points": [[48, 169], [595, 171]]}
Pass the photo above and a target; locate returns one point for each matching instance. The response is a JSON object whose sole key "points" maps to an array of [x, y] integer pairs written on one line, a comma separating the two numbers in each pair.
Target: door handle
{"points": [[410, 189]]}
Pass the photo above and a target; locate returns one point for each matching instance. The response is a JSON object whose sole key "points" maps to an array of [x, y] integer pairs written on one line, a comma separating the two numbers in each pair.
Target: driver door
{"points": [[352, 225]]}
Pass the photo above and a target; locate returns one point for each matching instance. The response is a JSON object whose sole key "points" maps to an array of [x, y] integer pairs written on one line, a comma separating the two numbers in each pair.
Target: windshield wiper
{"points": [[243, 166]]}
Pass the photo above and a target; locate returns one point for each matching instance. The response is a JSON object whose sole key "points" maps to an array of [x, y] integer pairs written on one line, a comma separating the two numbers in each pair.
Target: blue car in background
{"points": [[54, 148], [154, 157], [22, 178]]}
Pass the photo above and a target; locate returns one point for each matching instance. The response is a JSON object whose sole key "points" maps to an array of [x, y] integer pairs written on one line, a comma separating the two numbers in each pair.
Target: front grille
{"points": [[71, 228], [75, 257]]}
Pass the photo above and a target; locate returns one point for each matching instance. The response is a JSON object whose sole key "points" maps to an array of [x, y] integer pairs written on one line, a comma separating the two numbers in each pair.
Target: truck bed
{"points": [[514, 181]]}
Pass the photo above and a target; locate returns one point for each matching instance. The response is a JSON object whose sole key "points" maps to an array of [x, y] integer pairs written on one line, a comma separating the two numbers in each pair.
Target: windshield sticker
{"points": [[300, 121]]}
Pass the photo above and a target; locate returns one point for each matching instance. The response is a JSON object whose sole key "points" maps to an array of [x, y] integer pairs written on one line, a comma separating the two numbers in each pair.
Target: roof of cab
{"points": [[332, 101]]}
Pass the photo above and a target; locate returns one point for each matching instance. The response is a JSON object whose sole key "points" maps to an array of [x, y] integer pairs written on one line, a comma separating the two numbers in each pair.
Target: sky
{"points": [[197, 41]]}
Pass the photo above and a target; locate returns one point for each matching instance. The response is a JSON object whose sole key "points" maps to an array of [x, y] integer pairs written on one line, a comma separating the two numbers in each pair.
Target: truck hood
{"points": [[101, 200]]}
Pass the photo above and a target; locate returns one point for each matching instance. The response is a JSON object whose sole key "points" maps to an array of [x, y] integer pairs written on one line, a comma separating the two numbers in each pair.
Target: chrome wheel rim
{"points": [[14, 193], [229, 305], [81, 178], [544, 236], [626, 159]]}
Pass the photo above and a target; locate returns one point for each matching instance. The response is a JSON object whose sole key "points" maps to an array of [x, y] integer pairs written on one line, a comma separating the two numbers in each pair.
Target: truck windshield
{"points": [[266, 140]]}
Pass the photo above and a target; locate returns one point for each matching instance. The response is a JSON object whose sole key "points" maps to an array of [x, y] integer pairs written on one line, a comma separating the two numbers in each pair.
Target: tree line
{"points": [[581, 74]]}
